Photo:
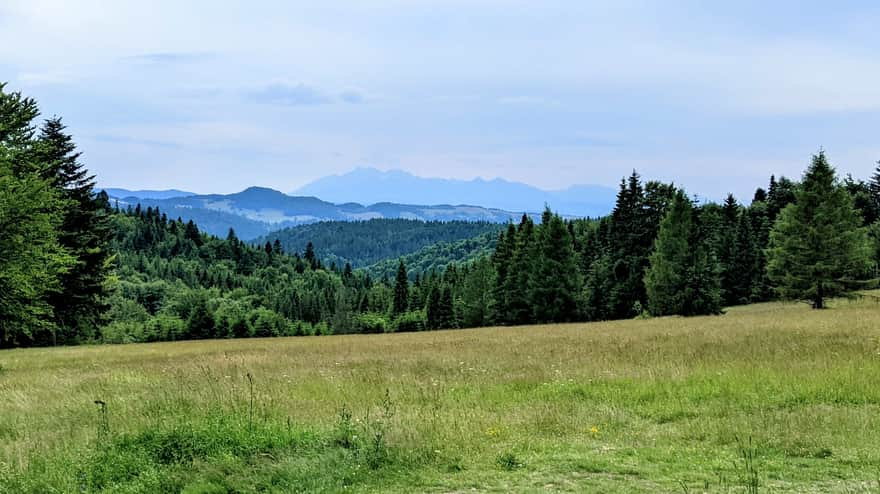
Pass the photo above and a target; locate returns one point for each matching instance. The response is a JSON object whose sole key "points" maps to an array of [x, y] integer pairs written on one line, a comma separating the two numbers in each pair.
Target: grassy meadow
{"points": [[767, 398]]}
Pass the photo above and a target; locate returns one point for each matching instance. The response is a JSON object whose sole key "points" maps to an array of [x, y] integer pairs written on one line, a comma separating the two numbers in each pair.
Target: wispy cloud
{"points": [[301, 94], [170, 57], [289, 95]]}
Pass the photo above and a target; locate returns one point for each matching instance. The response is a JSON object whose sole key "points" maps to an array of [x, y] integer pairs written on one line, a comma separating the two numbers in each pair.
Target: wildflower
{"points": [[594, 430]]}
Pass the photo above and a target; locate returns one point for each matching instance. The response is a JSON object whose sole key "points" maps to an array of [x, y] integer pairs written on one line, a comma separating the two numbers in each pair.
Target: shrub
{"points": [[371, 322], [409, 321]]}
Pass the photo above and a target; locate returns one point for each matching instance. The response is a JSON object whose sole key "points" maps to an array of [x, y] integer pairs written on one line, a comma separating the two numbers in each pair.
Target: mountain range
{"points": [[364, 194], [369, 186], [257, 211]]}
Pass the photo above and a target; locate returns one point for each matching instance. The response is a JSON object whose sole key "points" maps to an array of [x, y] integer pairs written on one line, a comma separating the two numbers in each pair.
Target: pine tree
{"points": [[309, 256], [683, 276], [555, 283], [401, 291], [446, 311], [32, 260], [191, 233], [666, 278], [727, 248], [477, 295], [748, 270], [874, 187], [817, 246], [432, 307], [634, 224], [516, 285], [501, 261]]}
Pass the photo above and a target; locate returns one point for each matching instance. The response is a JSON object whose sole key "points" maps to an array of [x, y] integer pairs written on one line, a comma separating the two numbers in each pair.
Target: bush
{"points": [[371, 322], [409, 321], [322, 329], [165, 327], [123, 332], [265, 322]]}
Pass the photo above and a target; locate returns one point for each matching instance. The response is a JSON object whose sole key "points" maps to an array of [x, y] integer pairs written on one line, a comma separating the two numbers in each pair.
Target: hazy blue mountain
{"points": [[370, 186], [147, 194], [257, 211]]}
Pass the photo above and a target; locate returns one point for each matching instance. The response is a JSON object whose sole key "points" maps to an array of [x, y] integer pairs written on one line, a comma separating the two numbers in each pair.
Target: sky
{"points": [[215, 96]]}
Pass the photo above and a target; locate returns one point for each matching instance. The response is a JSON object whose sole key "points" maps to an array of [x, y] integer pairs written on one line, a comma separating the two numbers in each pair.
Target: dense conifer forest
{"points": [[76, 269], [363, 243]]}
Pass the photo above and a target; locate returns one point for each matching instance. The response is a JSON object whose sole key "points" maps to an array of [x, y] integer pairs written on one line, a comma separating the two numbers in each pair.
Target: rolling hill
{"points": [[256, 211], [363, 243]]}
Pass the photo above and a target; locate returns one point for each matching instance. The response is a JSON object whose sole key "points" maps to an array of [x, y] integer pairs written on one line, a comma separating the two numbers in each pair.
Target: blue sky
{"points": [[213, 96]]}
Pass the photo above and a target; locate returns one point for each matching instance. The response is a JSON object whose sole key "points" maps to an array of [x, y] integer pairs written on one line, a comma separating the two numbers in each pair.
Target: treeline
{"points": [[75, 269], [362, 243]]}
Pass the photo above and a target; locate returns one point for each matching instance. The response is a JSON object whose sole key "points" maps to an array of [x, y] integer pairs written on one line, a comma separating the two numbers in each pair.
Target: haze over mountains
{"points": [[367, 193], [369, 186], [257, 211]]}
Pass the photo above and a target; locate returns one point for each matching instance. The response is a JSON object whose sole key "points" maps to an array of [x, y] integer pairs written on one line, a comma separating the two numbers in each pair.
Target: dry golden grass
{"points": [[630, 406]]}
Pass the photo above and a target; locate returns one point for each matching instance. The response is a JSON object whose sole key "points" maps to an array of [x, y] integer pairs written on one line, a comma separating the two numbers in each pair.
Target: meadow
{"points": [[766, 398]]}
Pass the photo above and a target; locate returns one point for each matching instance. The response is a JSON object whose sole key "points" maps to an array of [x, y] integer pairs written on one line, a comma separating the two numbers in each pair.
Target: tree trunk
{"points": [[819, 302]]}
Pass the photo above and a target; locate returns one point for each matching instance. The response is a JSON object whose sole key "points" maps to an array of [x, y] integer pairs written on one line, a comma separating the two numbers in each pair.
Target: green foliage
{"points": [[817, 248], [84, 233], [555, 281], [409, 321], [683, 277], [363, 243], [371, 322], [401, 291], [437, 257], [32, 259]]}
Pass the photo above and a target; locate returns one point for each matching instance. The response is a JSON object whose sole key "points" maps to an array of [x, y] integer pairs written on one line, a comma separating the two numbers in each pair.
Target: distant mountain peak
{"points": [[369, 185]]}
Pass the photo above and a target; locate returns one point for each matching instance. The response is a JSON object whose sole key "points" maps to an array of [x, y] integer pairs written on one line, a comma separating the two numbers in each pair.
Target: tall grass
{"points": [[658, 405]]}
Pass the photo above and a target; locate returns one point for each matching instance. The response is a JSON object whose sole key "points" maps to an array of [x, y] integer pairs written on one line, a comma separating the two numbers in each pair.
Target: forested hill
{"points": [[257, 211], [437, 256], [362, 243]]}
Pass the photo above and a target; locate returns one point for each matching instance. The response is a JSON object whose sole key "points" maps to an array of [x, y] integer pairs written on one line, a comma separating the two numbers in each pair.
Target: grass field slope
{"points": [[767, 398]]}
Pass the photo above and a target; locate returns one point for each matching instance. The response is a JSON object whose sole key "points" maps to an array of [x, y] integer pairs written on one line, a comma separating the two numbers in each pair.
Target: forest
{"points": [[75, 268]]}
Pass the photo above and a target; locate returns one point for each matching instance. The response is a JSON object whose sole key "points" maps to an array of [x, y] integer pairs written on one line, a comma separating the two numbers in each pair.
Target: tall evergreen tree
{"points": [[502, 259], [477, 295], [309, 256], [32, 260], [516, 286], [683, 275], [401, 290], [817, 246], [555, 283], [632, 231], [744, 273], [726, 248]]}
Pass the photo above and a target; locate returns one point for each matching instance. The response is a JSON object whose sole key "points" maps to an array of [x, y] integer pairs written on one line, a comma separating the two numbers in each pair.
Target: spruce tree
{"points": [[502, 259], [666, 278], [555, 282], [817, 247], [309, 256], [32, 259], [401, 291], [683, 276], [727, 246], [516, 285], [744, 272], [874, 187], [477, 295], [446, 310]]}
